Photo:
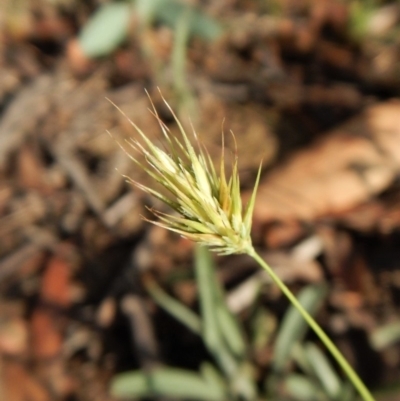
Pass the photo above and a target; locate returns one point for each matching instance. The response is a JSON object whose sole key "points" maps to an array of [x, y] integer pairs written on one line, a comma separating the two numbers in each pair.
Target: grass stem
{"points": [[341, 360]]}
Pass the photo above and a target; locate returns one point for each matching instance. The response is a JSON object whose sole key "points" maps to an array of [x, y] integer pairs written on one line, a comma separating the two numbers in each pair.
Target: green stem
{"points": [[341, 360]]}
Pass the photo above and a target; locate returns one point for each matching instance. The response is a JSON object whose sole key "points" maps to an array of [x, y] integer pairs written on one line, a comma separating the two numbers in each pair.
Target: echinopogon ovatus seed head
{"points": [[208, 206]]}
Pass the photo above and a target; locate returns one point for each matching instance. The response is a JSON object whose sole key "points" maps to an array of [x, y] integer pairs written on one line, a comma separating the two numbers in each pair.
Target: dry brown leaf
{"points": [[344, 169], [55, 284], [19, 385], [52, 373], [45, 324], [46, 335], [30, 168]]}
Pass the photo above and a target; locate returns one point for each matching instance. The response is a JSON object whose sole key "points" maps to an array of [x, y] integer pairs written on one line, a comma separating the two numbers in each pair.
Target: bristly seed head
{"points": [[209, 206]]}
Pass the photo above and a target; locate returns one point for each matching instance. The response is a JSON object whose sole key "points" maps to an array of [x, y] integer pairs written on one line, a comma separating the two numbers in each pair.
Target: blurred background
{"points": [[97, 304]]}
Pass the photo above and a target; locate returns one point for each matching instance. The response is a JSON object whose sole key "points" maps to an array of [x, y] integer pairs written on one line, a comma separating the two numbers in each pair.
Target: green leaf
{"points": [[301, 388], [179, 311], [220, 325], [179, 58], [212, 376], [170, 11], [230, 331], [221, 332], [205, 281], [166, 382], [294, 327], [385, 336], [299, 357], [324, 371], [211, 333], [147, 10], [106, 29]]}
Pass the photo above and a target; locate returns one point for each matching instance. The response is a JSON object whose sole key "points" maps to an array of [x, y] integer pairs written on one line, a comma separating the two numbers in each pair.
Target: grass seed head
{"points": [[209, 207]]}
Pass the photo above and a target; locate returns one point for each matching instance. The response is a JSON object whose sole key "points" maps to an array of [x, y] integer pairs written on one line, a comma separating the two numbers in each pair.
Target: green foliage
{"points": [[319, 380], [385, 336], [221, 332], [222, 336], [108, 27], [294, 327], [221, 329], [179, 311], [232, 377], [323, 371], [168, 382], [169, 12], [301, 388]]}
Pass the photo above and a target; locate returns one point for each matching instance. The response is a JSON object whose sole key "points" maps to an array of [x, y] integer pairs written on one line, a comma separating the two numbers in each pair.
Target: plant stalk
{"points": [[341, 360]]}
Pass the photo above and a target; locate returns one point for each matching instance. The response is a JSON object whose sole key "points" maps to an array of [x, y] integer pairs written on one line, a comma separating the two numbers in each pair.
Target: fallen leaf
{"points": [[19, 385], [55, 283], [30, 169], [46, 335], [345, 168]]}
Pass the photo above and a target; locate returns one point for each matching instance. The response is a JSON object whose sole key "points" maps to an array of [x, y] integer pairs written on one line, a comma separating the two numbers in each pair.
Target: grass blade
{"points": [[166, 382], [301, 388], [176, 309], [385, 336], [294, 327], [211, 334], [324, 371]]}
